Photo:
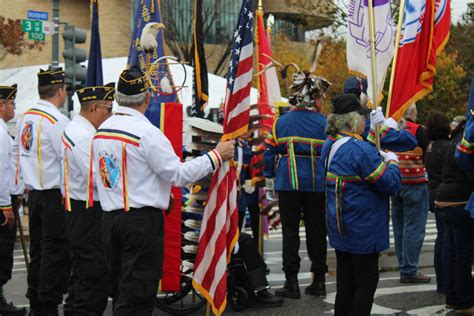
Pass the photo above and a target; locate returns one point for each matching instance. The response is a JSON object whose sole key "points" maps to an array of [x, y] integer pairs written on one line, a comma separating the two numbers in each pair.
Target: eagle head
{"points": [[148, 39]]}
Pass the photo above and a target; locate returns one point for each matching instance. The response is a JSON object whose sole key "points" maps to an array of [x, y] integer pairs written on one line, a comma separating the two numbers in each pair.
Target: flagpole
{"points": [[373, 62], [260, 215], [395, 56], [208, 309]]}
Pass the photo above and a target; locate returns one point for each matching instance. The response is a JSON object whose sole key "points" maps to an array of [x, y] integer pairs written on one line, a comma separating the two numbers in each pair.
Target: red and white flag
{"points": [[424, 34], [219, 230], [268, 86]]}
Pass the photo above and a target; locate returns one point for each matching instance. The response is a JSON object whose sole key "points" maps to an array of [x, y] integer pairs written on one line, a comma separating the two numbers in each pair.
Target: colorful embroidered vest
{"points": [[411, 163]]}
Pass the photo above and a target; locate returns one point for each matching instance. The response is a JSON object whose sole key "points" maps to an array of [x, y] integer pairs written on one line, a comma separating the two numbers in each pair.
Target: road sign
{"points": [[37, 15], [36, 36], [48, 27], [31, 26]]}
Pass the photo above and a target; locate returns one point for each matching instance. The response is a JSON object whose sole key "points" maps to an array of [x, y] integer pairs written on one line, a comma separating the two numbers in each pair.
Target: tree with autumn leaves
{"points": [[12, 40]]}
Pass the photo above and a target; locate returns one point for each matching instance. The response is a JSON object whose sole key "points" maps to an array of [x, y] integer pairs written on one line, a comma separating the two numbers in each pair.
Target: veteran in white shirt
{"points": [[7, 200], [88, 284], [135, 166], [39, 134]]}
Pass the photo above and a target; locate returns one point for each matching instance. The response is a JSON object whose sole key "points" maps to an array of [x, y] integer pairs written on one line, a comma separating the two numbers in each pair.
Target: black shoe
{"points": [[317, 287], [265, 299], [291, 288], [10, 309], [419, 278]]}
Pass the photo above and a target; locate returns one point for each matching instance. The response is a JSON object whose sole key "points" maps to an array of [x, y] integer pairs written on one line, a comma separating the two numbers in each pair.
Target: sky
{"points": [[458, 7]]}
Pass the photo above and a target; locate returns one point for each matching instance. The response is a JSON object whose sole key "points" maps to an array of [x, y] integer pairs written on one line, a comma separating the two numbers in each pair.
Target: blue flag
{"points": [[148, 11], [94, 66]]}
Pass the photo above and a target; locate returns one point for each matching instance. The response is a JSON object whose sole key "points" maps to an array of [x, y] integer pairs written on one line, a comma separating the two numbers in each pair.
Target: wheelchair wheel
{"points": [[237, 298], [186, 301]]}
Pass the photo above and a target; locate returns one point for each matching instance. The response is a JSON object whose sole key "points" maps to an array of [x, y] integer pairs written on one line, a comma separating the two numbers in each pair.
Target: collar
{"points": [[303, 108], [48, 104], [3, 124], [82, 120], [132, 112], [349, 134]]}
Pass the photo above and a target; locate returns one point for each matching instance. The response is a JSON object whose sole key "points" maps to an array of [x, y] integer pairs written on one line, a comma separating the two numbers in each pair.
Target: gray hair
{"points": [[130, 101], [343, 122], [410, 110]]}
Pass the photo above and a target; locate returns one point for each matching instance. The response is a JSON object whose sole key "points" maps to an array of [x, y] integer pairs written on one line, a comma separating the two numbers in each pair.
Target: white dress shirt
{"points": [[5, 165], [39, 134], [8, 186], [135, 164], [77, 140]]}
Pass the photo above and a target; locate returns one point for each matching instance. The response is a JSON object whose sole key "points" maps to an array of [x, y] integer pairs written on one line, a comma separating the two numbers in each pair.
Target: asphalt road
{"points": [[391, 298]]}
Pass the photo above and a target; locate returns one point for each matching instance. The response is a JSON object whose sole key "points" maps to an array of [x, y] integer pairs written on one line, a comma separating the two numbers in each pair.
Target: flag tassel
{"points": [[395, 56]]}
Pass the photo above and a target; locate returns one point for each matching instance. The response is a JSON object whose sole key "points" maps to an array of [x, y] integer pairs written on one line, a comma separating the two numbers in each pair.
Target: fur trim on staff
{"points": [[306, 89]]}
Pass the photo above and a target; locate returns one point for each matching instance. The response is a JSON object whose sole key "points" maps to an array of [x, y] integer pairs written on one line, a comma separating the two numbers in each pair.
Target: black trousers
{"points": [[7, 244], [254, 210], [49, 252], [312, 205], [249, 254], [134, 252], [88, 283], [254, 264], [357, 279]]}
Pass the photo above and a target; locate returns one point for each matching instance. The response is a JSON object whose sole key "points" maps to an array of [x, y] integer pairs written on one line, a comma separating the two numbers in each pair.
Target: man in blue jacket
{"points": [[465, 150], [292, 158], [359, 182]]}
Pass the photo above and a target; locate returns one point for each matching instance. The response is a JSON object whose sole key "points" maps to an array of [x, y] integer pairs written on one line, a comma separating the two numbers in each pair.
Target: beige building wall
{"points": [[114, 27]]}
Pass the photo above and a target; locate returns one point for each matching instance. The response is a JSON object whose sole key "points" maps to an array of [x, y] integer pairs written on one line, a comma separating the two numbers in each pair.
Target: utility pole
{"points": [[55, 49]]}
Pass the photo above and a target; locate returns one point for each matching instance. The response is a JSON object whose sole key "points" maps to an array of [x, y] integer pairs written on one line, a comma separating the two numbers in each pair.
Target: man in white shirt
{"points": [[88, 284], [7, 216], [39, 135], [135, 166]]}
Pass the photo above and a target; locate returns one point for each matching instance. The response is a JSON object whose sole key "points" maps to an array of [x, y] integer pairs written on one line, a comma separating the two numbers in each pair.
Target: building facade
{"points": [[116, 22]]}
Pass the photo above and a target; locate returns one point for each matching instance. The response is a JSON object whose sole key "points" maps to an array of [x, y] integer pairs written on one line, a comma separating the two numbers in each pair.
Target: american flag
{"points": [[219, 230], [239, 75]]}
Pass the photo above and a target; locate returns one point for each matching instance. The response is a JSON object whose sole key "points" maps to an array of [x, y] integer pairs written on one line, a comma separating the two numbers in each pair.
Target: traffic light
{"points": [[76, 74]]}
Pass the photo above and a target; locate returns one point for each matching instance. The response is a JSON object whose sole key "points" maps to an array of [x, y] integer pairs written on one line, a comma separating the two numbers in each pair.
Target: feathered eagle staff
{"points": [[148, 39], [149, 44]]}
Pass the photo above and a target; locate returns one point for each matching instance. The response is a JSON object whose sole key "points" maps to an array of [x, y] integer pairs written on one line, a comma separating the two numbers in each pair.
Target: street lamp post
{"points": [[55, 46]]}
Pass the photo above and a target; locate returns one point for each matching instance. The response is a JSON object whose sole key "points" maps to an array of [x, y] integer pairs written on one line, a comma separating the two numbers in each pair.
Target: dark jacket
{"points": [[435, 152], [456, 185]]}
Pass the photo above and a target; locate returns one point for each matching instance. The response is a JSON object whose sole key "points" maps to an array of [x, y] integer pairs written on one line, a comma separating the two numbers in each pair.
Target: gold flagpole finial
{"points": [[260, 5]]}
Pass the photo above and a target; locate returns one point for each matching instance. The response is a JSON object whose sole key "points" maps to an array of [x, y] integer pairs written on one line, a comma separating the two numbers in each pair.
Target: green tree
{"points": [[331, 64], [449, 95]]}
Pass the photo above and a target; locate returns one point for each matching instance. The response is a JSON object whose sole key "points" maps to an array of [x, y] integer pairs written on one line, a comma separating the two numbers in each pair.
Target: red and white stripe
{"points": [[219, 233], [237, 102], [219, 230]]}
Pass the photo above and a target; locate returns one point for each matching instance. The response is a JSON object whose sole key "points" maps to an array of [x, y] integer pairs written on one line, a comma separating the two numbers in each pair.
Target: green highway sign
{"points": [[31, 26], [34, 29], [36, 36]]}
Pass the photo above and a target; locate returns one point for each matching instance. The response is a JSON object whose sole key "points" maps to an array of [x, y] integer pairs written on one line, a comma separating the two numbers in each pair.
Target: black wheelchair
{"points": [[241, 284]]}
